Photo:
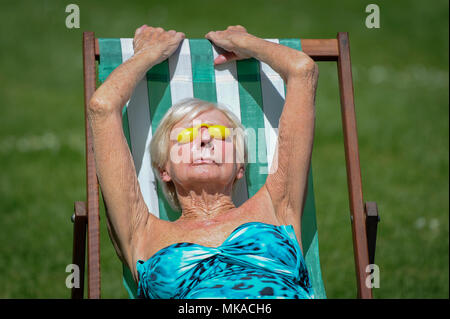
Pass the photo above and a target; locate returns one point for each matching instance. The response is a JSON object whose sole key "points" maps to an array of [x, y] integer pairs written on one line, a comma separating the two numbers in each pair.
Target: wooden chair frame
{"points": [[364, 217]]}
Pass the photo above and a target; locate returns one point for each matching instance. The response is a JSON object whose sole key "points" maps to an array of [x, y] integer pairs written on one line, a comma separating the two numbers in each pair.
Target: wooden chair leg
{"points": [[372, 219], [353, 167], [79, 220]]}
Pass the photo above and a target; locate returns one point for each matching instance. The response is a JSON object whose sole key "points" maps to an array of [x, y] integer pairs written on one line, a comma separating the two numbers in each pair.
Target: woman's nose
{"points": [[205, 137]]}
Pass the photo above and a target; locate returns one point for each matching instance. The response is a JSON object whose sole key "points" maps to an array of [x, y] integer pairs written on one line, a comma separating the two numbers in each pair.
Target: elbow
{"points": [[305, 67], [97, 106]]}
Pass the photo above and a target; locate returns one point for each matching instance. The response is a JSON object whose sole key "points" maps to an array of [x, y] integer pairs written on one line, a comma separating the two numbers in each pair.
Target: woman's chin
{"points": [[203, 169], [201, 172], [205, 172]]}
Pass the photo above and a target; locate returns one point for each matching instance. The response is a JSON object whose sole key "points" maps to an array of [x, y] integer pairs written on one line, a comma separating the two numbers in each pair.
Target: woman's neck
{"points": [[203, 205]]}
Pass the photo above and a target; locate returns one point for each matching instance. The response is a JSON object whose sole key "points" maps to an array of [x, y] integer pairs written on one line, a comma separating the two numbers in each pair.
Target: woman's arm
{"points": [[127, 212], [287, 184]]}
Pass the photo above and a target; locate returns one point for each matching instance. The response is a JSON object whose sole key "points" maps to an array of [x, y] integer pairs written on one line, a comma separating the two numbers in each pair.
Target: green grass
{"points": [[401, 96]]}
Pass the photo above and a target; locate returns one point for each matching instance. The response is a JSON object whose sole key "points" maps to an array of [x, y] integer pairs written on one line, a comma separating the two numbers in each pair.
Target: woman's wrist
{"points": [[142, 61], [286, 61], [247, 44]]}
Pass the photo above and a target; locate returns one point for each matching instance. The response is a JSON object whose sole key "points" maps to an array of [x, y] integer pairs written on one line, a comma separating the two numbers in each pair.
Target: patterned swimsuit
{"points": [[257, 260]]}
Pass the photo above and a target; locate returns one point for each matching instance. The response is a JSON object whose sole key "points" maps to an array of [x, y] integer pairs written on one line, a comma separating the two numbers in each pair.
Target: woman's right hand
{"points": [[155, 44]]}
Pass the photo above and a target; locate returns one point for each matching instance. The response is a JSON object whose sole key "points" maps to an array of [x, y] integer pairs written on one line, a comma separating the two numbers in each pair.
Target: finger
{"points": [[139, 30], [221, 59], [224, 58], [236, 27], [210, 35]]}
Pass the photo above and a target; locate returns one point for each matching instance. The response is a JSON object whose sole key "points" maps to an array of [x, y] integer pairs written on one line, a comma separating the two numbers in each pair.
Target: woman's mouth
{"points": [[201, 161]]}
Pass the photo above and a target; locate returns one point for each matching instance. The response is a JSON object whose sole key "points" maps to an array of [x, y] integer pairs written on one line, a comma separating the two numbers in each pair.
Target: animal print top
{"points": [[257, 260]]}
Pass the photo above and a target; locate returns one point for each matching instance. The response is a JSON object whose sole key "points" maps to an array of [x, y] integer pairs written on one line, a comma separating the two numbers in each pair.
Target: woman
{"points": [[214, 250]]}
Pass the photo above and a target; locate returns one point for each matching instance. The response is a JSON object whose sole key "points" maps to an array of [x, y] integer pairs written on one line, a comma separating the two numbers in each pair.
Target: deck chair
{"points": [[255, 94]]}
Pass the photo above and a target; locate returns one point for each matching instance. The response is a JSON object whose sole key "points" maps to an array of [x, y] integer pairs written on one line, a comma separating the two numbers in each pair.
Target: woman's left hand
{"points": [[230, 40]]}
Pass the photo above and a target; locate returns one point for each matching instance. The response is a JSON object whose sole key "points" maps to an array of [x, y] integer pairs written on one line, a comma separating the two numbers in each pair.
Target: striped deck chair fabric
{"points": [[252, 90]]}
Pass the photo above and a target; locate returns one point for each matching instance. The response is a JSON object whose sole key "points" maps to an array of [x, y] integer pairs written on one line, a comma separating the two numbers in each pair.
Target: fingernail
{"points": [[220, 59]]}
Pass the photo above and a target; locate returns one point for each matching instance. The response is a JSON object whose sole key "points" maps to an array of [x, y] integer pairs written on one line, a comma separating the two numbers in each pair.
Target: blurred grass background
{"points": [[401, 94]]}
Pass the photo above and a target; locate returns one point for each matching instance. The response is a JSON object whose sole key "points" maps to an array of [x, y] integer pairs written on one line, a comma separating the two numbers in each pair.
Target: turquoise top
{"points": [[257, 260]]}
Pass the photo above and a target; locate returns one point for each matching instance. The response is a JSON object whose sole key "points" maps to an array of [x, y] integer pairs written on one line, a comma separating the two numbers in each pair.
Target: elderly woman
{"points": [[214, 250]]}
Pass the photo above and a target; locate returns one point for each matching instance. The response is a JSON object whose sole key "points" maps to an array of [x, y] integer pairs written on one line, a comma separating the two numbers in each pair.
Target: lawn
{"points": [[400, 75]]}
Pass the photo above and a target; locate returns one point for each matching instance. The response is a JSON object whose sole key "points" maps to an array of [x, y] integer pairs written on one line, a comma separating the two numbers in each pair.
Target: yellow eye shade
{"points": [[216, 131]]}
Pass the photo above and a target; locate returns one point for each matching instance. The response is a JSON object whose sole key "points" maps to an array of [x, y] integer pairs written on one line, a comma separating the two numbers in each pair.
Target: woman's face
{"points": [[205, 161]]}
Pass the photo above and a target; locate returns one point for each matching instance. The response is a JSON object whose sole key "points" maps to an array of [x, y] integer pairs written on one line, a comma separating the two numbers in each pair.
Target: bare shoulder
{"points": [[154, 233], [260, 206], [263, 207]]}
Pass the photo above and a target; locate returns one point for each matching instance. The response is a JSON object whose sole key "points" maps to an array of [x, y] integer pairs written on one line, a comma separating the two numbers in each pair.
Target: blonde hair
{"points": [[188, 109]]}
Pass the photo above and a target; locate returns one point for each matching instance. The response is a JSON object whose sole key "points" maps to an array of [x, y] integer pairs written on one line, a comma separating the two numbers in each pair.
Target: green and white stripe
{"points": [[252, 90]]}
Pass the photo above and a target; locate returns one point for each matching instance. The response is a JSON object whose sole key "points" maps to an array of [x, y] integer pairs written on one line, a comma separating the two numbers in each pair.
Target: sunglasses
{"points": [[215, 131]]}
